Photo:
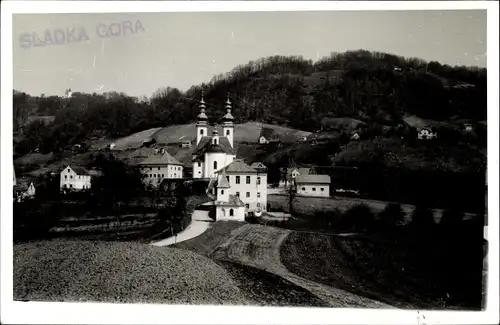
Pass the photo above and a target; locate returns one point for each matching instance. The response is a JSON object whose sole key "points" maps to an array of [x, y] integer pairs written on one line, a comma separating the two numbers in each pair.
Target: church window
{"points": [[221, 192], [201, 132], [215, 165], [228, 132], [231, 212], [199, 164], [158, 168], [237, 179]]}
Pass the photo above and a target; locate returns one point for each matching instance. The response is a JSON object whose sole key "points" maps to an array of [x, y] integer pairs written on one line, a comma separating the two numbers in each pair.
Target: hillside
{"points": [[278, 90]]}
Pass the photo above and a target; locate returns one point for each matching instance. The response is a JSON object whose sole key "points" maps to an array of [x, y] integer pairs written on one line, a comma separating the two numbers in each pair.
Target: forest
{"points": [[377, 88]]}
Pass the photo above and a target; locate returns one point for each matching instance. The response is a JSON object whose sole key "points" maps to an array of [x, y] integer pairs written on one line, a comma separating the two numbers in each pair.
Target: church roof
{"points": [[205, 145], [164, 159]]}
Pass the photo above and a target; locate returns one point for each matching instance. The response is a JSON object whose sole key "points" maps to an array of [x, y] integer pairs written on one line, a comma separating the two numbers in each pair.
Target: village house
{"points": [[23, 189], [246, 183], [313, 185], [426, 133], [288, 175], [186, 144], [265, 135], [75, 178], [228, 205], [160, 166], [213, 152]]}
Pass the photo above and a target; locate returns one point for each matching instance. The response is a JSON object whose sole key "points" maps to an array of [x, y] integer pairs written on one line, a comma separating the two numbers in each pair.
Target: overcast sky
{"points": [[182, 49]]}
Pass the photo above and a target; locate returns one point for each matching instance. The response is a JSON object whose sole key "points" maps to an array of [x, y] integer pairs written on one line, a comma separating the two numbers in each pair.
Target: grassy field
{"points": [[393, 272], [307, 206]]}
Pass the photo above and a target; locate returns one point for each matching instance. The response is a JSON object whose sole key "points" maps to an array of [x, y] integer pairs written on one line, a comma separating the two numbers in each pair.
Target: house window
{"points": [[71, 177], [65, 176], [247, 206], [248, 194], [221, 192], [322, 189], [237, 179], [71, 185], [158, 168], [303, 189], [258, 205], [227, 177], [258, 180], [231, 212], [175, 174], [314, 189], [237, 194], [199, 164], [228, 132], [248, 179], [258, 194], [215, 165], [162, 175], [199, 172]]}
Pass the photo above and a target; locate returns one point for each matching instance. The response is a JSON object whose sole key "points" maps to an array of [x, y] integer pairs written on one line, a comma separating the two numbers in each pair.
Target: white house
{"points": [[247, 183], [160, 166], [228, 206], [426, 133], [313, 185], [468, 127], [265, 135], [213, 152], [355, 137], [75, 178]]}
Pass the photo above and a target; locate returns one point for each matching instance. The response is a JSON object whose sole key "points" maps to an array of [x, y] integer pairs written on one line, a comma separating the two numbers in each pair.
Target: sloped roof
{"points": [[163, 159], [234, 201], [238, 166], [222, 181], [80, 170], [312, 179], [205, 145], [258, 165]]}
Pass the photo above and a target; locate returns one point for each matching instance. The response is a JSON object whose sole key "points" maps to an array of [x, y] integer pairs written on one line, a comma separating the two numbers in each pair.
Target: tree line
{"points": [[286, 90]]}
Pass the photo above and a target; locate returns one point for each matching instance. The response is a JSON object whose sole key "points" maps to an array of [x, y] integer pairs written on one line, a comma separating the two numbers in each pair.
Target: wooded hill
{"points": [[373, 87]]}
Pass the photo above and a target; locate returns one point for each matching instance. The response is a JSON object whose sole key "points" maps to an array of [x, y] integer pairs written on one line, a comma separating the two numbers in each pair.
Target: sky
{"points": [[179, 50]]}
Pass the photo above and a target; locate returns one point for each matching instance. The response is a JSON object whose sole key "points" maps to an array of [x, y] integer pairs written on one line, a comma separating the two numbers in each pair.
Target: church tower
{"points": [[202, 123], [228, 123]]}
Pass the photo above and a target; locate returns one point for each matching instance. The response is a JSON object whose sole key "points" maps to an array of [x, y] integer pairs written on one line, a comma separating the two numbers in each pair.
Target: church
{"points": [[235, 187]]}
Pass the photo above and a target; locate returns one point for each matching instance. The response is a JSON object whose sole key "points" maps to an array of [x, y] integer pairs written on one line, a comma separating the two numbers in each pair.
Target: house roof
{"points": [[79, 170], [163, 159], [222, 181], [234, 201], [258, 165], [238, 166], [312, 179]]}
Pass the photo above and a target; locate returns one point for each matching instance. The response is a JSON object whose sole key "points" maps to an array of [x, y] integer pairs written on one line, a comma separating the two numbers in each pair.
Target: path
{"points": [[199, 224], [259, 246]]}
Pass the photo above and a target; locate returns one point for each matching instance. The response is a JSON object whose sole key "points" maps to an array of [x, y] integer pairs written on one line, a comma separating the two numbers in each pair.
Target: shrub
{"points": [[359, 218], [391, 216], [451, 218], [422, 218]]}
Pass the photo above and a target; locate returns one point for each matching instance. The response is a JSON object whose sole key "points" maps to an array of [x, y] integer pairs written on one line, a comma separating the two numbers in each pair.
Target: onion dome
{"points": [[228, 117], [202, 116]]}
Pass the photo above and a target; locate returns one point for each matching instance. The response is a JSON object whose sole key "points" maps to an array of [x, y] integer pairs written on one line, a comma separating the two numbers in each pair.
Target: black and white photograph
{"points": [[221, 156]]}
